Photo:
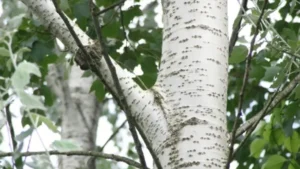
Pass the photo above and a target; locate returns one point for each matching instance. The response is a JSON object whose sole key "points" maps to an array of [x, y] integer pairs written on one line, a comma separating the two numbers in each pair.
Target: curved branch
{"points": [[123, 101], [78, 153]]}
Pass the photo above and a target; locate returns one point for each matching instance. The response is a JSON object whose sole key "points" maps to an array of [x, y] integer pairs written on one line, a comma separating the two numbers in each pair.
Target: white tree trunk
{"points": [[184, 114], [79, 110], [193, 77]]}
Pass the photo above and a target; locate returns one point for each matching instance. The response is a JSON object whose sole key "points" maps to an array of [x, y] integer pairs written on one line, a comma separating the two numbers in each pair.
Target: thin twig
{"points": [[78, 153], [124, 104], [264, 112], [245, 82], [279, 97], [235, 33], [113, 135], [11, 127], [110, 7], [11, 131], [295, 55]]}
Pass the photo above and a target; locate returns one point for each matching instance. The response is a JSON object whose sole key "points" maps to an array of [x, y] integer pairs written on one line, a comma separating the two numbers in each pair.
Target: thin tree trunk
{"points": [[80, 112]]}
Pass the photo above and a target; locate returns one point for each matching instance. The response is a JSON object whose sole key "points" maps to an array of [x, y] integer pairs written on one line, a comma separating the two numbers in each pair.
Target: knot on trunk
{"points": [[94, 52]]}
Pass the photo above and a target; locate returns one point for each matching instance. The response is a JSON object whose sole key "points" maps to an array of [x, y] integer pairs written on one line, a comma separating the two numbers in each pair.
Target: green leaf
{"points": [[40, 50], [271, 72], [4, 51], [292, 143], [21, 76], [274, 162], [24, 134], [288, 126], [64, 5], [291, 166], [146, 81], [148, 65], [31, 101], [256, 147], [111, 29], [132, 12], [99, 89], [64, 145], [48, 95], [45, 120], [297, 92], [15, 22], [238, 54], [294, 163], [278, 135], [279, 80], [267, 132]]}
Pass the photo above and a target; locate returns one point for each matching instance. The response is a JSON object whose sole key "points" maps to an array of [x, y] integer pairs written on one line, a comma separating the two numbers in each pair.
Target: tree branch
{"points": [[11, 127], [79, 153], [124, 104], [244, 85], [110, 7], [142, 110], [279, 97], [113, 135], [78, 42], [235, 33], [264, 112], [12, 135]]}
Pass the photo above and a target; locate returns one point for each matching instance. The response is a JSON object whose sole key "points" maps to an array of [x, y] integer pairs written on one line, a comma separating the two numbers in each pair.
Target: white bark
{"points": [[147, 116], [193, 77], [184, 115], [79, 110]]}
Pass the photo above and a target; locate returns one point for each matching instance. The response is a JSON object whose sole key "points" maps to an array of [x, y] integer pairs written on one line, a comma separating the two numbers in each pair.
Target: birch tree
{"points": [[183, 108]]}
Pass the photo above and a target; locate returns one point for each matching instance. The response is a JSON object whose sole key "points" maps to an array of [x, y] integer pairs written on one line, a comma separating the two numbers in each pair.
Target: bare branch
{"points": [[235, 33], [124, 104], [11, 127], [79, 153], [264, 112], [245, 82], [110, 7], [279, 97], [12, 134], [113, 135]]}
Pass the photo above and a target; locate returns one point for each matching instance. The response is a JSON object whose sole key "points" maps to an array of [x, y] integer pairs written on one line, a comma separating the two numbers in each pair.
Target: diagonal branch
{"points": [[110, 7], [124, 104], [279, 97], [264, 112], [235, 33], [78, 153], [143, 112], [244, 85], [113, 135]]}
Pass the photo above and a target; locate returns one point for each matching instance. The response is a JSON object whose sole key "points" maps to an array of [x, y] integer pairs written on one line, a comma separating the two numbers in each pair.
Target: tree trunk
{"points": [[184, 114], [193, 78], [80, 112]]}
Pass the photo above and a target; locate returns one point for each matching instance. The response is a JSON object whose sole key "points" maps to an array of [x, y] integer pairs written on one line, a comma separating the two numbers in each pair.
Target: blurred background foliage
{"points": [[134, 40]]}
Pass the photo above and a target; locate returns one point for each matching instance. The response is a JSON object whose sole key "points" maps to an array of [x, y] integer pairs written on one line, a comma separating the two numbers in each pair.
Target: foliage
{"points": [[27, 48]]}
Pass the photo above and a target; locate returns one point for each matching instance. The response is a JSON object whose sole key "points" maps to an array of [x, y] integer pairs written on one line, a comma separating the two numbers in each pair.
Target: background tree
{"points": [[263, 60]]}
